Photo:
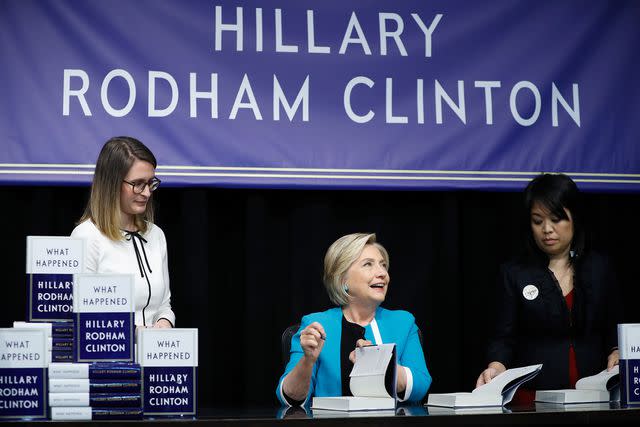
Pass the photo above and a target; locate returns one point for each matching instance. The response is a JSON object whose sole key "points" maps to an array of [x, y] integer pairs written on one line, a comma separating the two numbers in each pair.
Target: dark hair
{"points": [[555, 192]]}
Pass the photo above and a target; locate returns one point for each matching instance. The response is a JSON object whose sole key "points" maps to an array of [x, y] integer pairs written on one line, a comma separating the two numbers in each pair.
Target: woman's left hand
{"points": [[613, 359], [359, 343], [163, 323]]}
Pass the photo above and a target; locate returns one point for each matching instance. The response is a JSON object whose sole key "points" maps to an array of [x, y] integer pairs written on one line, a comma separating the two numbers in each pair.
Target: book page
{"points": [[368, 373], [497, 385], [372, 360], [600, 381]]}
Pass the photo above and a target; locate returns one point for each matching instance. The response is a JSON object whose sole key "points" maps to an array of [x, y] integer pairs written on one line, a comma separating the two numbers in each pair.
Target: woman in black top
{"points": [[559, 304]]}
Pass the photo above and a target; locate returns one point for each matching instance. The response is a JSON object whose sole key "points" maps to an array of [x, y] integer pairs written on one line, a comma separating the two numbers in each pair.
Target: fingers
{"points": [[312, 339], [480, 380], [613, 359], [485, 377], [316, 330], [360, 343], [363, 343]]}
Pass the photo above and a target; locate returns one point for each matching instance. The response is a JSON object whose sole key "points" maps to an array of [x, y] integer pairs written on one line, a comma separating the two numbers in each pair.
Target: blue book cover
{"points": [[80, 413], [51, 263], [23, 373], [169, 360], [629, 347], [104, 319], [98, 370]]}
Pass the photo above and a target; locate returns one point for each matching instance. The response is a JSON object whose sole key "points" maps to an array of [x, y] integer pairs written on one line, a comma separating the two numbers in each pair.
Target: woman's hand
{"points": [[493, 370], [312, 341], [613, 359], [359, 343], [163, 323], [296, 383]]}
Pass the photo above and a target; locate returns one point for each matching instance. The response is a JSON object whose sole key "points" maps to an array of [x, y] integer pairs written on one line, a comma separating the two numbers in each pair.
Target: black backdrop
{"points": [[245, 264]]}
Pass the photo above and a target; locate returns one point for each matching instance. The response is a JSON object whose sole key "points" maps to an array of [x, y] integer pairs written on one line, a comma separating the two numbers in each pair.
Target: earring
{"points": [[345, 288]]}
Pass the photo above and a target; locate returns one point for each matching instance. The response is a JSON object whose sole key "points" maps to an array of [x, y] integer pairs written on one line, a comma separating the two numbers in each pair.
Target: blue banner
{"points": [[440, 94]]}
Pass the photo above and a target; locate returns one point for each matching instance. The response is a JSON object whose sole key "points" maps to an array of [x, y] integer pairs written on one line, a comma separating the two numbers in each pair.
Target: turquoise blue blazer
{"points": [[396, 326]]}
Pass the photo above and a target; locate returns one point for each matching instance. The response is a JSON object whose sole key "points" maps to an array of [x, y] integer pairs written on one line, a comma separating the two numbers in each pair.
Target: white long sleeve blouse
{"points": [[102, 255]]}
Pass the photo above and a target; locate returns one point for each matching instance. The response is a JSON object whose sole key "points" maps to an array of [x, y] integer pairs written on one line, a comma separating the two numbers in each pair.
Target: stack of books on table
{"points": [[59, 338], [92, 391]]}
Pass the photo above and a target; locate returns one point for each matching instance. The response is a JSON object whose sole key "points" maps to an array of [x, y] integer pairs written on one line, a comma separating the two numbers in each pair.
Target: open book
{"points": [[602, 387], [498, 392], [372, 382]]}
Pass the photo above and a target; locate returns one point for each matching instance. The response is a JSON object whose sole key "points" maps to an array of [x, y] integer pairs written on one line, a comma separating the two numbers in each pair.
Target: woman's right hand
{"points": [[312, 340], [494, 369]]}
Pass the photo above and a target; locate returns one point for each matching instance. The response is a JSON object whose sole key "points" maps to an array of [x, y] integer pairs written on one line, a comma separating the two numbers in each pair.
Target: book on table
{"points": [[602, 387], [23, 367], [103, 309], [372, 382], [497, 392], [51, 263], [78, 413], [169, 361], [629, 346]]}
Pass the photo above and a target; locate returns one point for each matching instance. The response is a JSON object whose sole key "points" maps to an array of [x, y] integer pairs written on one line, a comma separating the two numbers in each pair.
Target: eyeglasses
{"points": [[138, 187]]}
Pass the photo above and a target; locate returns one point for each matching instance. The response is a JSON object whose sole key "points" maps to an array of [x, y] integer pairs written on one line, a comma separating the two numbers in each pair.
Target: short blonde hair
{"points": [[340, 257], [113, 164]]}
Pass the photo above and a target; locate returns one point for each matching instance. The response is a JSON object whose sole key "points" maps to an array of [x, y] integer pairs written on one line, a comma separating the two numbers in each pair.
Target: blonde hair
{"points": [[113, 164], [340, 257]]}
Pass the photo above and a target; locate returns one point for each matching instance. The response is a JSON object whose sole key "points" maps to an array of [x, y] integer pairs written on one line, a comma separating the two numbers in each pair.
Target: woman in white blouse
{"points": [[118, 228]]}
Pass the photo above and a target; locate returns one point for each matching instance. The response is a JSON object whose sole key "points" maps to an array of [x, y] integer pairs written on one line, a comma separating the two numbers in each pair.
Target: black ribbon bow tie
{"points": [[132, 236]]}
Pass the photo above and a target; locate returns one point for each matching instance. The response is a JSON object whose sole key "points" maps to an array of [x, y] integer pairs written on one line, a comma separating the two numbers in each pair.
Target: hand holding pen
{"points": [[312, 340]]}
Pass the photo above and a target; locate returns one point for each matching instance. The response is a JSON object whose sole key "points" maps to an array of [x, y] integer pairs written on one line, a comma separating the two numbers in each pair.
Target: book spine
{"points": [[95, 371], [115, 372], [60, 385], [90, 413], [62, 329], [61, 343], [55, 329], [95, 399], [62, 356]]}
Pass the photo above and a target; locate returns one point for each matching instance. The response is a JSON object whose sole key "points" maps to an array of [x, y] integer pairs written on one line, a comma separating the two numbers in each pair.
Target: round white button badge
{"points": [[530, 292]]}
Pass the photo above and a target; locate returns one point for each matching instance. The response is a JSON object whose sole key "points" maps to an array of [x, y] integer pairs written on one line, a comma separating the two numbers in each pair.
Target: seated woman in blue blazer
{"points": [[323, 350]]}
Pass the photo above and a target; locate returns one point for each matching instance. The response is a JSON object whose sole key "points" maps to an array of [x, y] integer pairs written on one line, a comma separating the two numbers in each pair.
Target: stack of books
{"points": [[23, 380], [93, 391], [169, 361], [51, 263], [59, 338]]}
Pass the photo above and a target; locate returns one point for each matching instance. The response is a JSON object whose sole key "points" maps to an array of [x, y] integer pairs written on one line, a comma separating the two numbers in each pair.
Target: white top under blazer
{"points": [[149, 267]]}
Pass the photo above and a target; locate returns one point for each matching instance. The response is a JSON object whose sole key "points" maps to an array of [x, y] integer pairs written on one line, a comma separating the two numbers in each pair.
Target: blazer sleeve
{"points": [[412, 359], [502, 342], [295, 355]]}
